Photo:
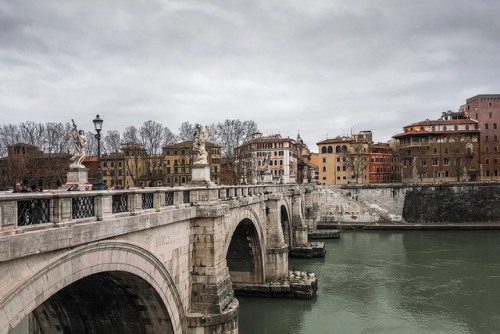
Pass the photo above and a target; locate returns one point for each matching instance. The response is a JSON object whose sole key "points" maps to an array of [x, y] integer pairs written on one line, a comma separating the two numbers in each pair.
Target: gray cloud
{"points": [[321, 68]]}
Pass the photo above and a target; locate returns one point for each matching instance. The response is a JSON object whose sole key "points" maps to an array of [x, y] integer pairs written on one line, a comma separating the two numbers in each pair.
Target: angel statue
{"points": [[80, 143], [265, 162], [199, 138]]}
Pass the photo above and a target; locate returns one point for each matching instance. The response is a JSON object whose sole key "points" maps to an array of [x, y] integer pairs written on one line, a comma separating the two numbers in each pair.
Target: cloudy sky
{"points": [[319, 67]]}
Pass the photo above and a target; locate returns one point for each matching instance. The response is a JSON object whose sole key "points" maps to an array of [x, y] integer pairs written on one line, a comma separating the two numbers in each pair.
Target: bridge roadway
{"points": [[157, 260]]}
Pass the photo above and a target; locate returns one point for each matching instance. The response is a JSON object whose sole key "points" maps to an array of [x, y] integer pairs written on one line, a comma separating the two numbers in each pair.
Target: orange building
{"points": [[380, 166], [344, 160]]}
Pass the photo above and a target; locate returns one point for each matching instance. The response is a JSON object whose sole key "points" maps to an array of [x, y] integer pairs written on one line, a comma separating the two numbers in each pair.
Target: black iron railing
{"points": [[120, 203], [82, 207], [33, 211], [147, 201], [169, 199]]}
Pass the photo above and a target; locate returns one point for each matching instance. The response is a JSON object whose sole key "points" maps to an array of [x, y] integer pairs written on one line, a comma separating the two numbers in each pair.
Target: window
{"points": [[486, 126], [495, 138], [494, 125], [338, 159], [324, 169], [486, 138], [456, 127], [330, 149], [444, 128], [495, 149], [446, 161], [434, 151], [344, 168], [487, 149], [486, 161], [435, 162], [424, 162], [467, 127], [324, 159], [446, 150], [338, 168], [323, 149]]}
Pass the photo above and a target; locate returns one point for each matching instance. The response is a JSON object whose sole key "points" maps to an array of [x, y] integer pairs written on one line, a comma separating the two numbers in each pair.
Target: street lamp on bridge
{"points": [[98, 185]]}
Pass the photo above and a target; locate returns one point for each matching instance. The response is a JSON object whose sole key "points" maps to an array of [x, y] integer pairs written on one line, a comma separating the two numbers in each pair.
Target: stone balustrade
{"points": [[26, 211]]}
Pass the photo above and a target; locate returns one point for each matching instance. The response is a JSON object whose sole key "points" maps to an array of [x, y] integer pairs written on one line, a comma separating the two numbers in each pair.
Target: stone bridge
{"points": [[157, 260]]}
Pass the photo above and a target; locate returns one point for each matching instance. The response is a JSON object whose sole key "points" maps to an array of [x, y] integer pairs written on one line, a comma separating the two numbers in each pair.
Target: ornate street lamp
{"points": [[98, 185]]}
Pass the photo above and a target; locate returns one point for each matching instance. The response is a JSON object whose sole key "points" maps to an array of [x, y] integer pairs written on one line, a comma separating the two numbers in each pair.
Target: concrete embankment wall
{"points": [[415, 203]]}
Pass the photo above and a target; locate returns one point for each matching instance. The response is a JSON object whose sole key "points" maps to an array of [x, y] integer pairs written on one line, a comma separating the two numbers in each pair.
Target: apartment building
{"points": [[344, 160], [485, 109], [443, 150]]}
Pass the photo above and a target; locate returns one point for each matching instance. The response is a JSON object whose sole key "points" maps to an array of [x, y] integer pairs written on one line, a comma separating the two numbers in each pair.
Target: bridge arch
{"points": [[245, 248], [131, 282]]}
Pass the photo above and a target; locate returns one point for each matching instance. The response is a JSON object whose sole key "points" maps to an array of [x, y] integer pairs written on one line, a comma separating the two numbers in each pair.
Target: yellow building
{"points": [[133, 167], [344, 160], [178, 158]]}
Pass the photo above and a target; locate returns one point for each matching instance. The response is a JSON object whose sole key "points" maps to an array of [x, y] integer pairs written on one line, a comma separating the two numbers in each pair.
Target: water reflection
{"points": [[392, 282]]}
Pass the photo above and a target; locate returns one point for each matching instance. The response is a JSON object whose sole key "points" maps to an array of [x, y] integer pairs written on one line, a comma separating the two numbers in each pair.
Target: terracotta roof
{"points": [[425, 133], [443, 122], [336, 140]]}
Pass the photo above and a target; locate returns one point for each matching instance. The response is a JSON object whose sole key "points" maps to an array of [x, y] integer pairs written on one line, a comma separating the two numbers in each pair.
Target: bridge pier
{"points": [[213, 306], [302, 248]]}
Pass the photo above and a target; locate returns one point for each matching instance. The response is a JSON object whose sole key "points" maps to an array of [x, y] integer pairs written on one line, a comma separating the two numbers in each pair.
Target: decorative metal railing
{"points": [[33, 211], [169, 198], [119, 203], [147, 201], [82, 207]]}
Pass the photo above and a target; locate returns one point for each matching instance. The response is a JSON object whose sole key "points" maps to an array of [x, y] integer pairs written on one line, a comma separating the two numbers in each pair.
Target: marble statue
{"points": [[80, 142], [265, 162], [199, 138]]}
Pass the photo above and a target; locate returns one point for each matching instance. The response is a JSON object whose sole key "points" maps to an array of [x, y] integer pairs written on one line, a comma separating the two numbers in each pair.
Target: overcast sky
{"points": [[321, 68]]}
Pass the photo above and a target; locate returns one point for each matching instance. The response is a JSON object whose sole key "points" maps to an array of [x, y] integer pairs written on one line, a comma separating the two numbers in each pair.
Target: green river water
{"points": [[392, 282]]}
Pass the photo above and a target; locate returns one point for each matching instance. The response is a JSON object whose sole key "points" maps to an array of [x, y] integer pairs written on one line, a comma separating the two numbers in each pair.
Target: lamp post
{"points": [[98, 184]]}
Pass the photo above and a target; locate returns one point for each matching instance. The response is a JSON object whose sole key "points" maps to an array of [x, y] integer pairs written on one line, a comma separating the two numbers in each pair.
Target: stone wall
{"points": [[416, 203], [453, 204]]}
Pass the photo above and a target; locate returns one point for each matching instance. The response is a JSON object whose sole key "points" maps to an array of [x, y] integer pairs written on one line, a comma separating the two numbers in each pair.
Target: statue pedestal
{"points": [[77, 176], [268, 177], [200, 176]]}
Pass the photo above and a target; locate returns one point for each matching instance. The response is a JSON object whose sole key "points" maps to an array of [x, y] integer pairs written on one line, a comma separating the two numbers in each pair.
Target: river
{"points": [[392, 282]]}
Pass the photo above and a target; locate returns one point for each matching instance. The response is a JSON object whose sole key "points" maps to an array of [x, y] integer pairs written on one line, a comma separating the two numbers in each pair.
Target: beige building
{"points": [[178, 159], [133, 167], [344, 160], [287, 157]]}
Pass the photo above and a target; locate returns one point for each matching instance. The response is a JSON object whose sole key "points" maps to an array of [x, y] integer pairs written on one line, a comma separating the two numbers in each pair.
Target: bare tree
{"points": [[463, 153], [9, 135], [186, 131], [150, 136], [168, 137], [91, 144], [356, 159], [233, 133], [131, 135], [112, 142], [57, 138], [32, 133]]}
